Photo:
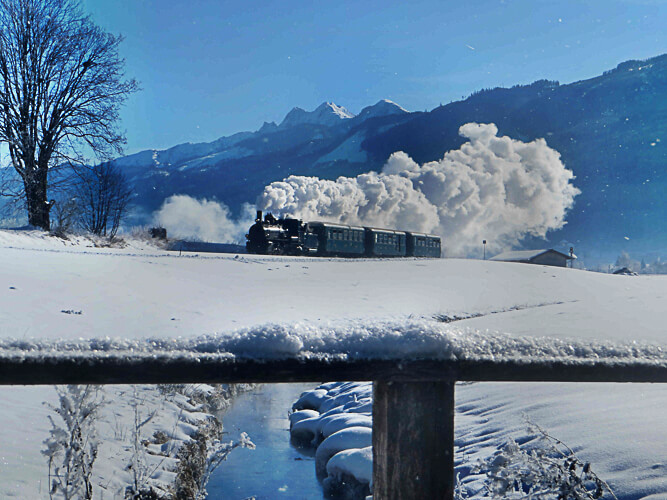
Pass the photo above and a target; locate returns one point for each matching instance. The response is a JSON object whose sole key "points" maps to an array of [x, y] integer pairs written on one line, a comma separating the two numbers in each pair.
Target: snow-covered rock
{"points": [[350, 437], [343, 432], [300, 415], [340, 422], [356, 462]]}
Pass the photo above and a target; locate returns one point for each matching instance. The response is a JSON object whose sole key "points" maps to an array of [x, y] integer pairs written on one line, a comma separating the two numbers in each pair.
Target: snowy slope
{"points": [[255, 304]]}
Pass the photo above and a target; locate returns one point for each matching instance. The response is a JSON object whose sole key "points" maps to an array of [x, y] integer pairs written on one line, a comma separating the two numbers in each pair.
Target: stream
{"points": [[276, 469]]}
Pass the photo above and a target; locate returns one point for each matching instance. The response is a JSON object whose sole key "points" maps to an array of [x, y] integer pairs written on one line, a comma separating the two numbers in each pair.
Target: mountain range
{"points": [[611, 131]]}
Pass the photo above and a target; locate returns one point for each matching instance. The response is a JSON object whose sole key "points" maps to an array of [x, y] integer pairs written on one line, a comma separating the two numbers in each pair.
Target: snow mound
{"points": [[350, 437], [356, 462]]}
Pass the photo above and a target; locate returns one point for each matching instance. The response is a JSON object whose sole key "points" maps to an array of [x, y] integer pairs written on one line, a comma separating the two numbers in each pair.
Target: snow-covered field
{"points": [[53, 291]]}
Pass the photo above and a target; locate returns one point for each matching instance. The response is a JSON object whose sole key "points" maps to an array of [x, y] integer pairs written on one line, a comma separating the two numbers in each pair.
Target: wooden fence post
{"points": [[413, 440]]}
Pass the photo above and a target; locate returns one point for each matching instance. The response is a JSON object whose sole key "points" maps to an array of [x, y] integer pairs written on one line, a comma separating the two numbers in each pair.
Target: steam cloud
{"points": [[493, 188], [202, 220]]}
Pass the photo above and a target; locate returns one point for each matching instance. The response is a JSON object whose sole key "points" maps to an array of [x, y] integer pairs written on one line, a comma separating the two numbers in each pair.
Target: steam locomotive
{"points": [[288, 236]]}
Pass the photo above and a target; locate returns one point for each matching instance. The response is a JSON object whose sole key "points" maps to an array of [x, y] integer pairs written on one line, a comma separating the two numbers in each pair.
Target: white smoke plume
{"points": [[493, 188], [202, 220]]}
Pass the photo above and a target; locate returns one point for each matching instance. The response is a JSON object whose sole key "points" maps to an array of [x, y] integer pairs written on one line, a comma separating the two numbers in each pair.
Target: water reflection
{"points": [[276, 469]]}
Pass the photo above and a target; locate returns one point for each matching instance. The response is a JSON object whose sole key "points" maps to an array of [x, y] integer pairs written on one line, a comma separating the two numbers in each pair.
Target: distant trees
{"points": [[642, 267], [624, 260], [102, 196], [61, 86]]}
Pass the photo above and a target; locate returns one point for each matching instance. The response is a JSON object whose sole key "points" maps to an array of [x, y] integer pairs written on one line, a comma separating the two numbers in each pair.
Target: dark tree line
{"points": [[61, 86]]}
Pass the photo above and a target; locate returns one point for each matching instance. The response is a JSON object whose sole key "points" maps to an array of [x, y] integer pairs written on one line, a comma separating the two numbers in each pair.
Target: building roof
{"points": [[526, 255]]}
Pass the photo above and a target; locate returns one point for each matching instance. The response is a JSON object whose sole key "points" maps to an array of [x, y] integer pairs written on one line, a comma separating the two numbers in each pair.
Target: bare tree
{"points": [[103, 194], [61, 87], [64, 214]]}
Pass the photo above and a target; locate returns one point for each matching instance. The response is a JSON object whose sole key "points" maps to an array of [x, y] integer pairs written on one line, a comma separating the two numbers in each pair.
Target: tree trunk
{"points": [[38, 206]]}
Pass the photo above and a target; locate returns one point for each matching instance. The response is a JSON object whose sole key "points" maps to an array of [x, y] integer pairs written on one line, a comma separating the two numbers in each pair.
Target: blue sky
{"points": [[212, 67]]}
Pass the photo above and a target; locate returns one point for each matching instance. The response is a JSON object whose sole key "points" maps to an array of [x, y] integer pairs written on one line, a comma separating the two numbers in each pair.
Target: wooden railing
{"points": [[413, 407]]}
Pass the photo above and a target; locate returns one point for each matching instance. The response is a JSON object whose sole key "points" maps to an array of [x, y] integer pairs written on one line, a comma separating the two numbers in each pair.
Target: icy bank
{"points": [[141, 432], [624, 443], [335, 418]]}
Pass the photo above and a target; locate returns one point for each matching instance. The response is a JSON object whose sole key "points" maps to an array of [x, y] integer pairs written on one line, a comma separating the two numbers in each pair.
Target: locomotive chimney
{"points": [[259, 216]]}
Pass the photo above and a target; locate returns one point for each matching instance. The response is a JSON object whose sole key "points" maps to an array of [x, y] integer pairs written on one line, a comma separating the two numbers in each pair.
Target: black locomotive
{"points": [[288, 236]]}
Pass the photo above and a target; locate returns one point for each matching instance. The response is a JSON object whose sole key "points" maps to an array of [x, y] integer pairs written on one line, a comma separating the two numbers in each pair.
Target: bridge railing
{"points": [[413, 406]]}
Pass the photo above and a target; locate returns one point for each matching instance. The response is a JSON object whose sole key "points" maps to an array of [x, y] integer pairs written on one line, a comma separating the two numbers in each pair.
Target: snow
{"points": [[619, 428], [357, 462], [213, 158], [348, 438], [339, 425], [384, 107], [182, 152], [349, 150], [25, 426], [142, 301], [327, 113]]}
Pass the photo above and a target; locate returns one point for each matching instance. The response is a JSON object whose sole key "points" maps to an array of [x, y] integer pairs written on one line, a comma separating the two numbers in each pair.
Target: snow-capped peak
{"points": [[384, 107], [330, 107], [326, 113]]}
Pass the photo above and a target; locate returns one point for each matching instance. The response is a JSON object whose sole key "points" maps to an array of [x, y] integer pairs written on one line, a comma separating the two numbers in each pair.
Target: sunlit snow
{"points": [[139, 299]]}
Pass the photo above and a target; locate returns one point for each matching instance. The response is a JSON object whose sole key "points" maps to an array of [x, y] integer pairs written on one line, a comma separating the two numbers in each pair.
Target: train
{"points": [[288, 236]]}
